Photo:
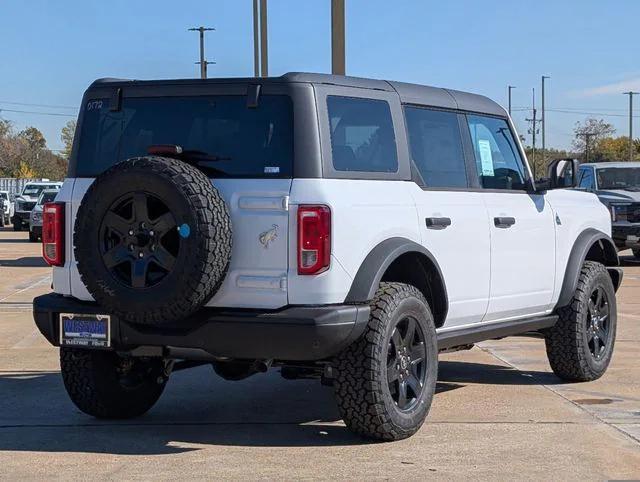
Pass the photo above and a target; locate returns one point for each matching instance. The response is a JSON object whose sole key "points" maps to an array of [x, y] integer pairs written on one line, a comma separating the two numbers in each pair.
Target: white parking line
{"points": [[37, 283]]}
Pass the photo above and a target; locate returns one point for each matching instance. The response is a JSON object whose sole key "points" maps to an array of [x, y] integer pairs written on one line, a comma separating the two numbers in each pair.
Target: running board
{"points": [[474, 334]]}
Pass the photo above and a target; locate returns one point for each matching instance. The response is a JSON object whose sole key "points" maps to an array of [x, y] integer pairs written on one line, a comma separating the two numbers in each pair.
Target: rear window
{"points": [[362, 136], [248, 142]]}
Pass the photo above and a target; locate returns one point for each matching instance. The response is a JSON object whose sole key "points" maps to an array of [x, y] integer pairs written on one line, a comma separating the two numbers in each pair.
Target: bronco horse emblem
{"points": [[268, 236]]}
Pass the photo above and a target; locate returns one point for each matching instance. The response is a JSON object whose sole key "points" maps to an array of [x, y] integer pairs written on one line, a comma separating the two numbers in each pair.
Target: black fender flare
{"points": [[584, 242], [367, 279]]}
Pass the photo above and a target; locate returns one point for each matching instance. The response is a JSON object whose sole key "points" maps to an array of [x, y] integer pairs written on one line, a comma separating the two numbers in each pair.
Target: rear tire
{"points": [[580, 345], [105, 385], [371, 373]]}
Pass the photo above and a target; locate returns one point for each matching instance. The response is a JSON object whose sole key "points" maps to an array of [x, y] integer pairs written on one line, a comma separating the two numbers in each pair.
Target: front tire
{"points": [[580, 345], [105, 385], [385, 381]]}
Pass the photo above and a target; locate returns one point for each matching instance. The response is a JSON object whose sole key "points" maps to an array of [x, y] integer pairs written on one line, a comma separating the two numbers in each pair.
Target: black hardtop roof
{"points": [[409, 93]]}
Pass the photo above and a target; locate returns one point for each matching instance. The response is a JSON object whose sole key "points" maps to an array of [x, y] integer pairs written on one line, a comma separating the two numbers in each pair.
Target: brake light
{"points": [[53, 233], [314, 239]]}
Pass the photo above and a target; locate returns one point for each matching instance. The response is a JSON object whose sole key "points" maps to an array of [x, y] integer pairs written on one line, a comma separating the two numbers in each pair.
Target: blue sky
{"points": [[51, 50]]}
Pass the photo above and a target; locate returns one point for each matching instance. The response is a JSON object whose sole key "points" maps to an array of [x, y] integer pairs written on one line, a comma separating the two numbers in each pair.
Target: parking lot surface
{"points": [[499, 412]]}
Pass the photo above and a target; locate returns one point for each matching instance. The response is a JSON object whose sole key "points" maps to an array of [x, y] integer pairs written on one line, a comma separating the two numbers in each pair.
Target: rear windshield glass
{"points": [[47, 197], [245, 142]]}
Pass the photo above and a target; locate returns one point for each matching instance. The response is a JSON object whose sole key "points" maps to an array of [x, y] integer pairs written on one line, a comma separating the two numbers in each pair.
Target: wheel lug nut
{"points": [[131, 232], [131, 247], [140, 254], [151, 233]]}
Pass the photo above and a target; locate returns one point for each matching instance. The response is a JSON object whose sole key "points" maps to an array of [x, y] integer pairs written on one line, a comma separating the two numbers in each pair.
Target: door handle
{"points": [[504, 222], [438, 223]]}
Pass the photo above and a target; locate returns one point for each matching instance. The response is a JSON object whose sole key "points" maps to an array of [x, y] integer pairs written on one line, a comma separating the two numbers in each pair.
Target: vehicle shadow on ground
{"points": [[199, 409], [24, 262], [629, 260]]}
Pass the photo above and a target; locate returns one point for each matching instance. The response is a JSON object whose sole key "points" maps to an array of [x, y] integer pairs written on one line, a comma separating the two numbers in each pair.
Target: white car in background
{"points": [[27, 200], [35, 220], [7, 208]]}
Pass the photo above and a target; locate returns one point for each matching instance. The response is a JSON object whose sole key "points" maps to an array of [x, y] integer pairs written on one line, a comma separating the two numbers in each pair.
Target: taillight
{"points": [[314, 239], [53, 234]]}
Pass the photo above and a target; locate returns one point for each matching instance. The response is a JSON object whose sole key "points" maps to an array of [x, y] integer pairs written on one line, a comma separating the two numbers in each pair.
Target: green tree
{"points": [[592, 131], [33, 137], [68, 132]]}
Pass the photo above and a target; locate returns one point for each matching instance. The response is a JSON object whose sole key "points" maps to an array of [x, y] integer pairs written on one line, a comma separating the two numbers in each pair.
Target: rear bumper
{"points": [[296, 333], [626, 235]]}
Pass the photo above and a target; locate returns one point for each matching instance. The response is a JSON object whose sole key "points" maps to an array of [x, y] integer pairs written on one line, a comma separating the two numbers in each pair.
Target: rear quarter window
{"points": [[362, 135]]}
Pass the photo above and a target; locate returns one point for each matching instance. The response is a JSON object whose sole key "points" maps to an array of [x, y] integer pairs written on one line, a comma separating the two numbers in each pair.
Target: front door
{"points": [[521, 224]]}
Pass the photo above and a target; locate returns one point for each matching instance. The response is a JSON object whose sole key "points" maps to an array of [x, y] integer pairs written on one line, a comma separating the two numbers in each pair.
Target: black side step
{"points": [[474, 334]]}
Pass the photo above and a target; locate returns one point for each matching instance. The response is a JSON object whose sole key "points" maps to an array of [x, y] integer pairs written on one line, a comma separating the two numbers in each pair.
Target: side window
{"points": [[436, 147], [586, 181], [362, 135], [498, 160]]}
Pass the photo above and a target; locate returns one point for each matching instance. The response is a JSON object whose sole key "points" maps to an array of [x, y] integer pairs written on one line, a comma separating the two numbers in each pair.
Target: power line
{"points": [[40, 113], [53, 106]]}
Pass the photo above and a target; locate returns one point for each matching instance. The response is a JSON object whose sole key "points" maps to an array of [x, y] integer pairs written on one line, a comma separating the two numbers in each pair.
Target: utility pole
{"points": [[338, 62], [544, 119], [630, 94], [510, 88], [256, 40], [533, 131], [264, 46], [203, 63]]}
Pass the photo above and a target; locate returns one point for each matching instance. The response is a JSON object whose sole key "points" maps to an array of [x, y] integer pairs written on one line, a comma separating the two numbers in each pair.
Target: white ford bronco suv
{"points": [[333, 226]]}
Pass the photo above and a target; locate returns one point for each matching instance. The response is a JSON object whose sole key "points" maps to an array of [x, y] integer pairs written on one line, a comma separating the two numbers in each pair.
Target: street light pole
{"points": [[630, 94], [203, 63], [544, 121], [510, 88]]}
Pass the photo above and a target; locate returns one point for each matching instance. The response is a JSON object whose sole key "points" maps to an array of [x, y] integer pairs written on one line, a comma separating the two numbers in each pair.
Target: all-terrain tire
{"points": [[567, 342], [97, 384], [361, 384], [202, 234]]}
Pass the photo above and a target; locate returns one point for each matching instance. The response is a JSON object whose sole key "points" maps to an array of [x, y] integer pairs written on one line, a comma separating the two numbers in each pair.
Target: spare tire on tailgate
{"points": [[152, 240]]}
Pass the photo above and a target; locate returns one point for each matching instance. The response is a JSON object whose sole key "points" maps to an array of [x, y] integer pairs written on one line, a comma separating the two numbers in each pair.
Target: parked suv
{"points": [[35, 219], [617, 185], [6, 208], [332, 226], [26, 201]]}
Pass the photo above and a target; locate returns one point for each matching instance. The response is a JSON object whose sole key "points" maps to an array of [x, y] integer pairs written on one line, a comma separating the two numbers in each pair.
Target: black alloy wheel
{"points": [[139, 240], [598, 323], [406, 363]]}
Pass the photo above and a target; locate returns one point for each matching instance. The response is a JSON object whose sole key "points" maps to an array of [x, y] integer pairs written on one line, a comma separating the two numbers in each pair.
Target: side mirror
{"points": [[563, 173]]}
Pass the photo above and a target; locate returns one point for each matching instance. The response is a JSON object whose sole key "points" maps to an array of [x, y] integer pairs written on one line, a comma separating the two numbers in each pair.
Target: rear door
{"points": [[452, 219], [254, 144]]}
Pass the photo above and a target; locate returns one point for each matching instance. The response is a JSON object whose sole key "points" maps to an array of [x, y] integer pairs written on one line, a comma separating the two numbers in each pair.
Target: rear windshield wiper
{"points": [[190, 156]]}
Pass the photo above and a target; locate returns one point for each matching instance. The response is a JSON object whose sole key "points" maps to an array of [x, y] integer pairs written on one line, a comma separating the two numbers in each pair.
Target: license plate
{"points": [[85, 330]]}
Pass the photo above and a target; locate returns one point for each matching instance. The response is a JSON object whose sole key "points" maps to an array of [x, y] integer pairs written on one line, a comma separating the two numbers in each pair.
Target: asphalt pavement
{"points": [[499, 413]]}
